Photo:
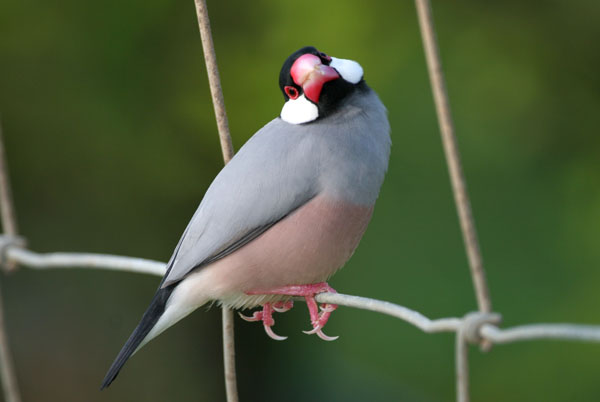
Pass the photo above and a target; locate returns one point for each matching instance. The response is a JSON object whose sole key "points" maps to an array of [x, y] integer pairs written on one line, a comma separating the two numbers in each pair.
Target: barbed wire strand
{"points": [[216, 92], [480, 327], [10, 384]]}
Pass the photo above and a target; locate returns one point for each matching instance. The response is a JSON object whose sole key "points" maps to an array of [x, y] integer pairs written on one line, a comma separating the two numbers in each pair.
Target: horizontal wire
{"points": [[574, 332], [79, 260]]}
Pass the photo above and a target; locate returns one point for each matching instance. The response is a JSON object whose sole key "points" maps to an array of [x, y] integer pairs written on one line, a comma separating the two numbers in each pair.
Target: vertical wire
{"points": [[227, 149], [9, 227]]}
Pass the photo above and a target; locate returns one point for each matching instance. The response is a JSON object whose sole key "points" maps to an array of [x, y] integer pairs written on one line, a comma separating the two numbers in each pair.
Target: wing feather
{"points": [[273, 174]]}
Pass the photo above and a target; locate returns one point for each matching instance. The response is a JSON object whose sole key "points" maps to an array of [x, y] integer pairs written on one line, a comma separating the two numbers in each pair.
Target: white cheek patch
{"points": [[298, 111], [350, 70]]}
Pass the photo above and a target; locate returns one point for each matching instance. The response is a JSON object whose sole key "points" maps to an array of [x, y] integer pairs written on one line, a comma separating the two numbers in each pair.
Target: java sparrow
{"points": [[287, 211]]}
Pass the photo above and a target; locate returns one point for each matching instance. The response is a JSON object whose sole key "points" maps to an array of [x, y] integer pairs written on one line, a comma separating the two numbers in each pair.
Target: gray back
{"points": [[283, 166]]}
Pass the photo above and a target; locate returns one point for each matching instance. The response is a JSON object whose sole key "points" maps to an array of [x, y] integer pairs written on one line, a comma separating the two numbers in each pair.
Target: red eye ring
{"points": [[325, 56], [291, 92]]}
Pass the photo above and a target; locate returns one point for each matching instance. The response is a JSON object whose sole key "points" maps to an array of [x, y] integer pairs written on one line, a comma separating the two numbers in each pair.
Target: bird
{"points": [[287, 211]]}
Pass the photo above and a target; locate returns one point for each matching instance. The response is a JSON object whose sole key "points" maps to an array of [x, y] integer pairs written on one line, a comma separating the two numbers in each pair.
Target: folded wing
{"points": [[273, 174]]}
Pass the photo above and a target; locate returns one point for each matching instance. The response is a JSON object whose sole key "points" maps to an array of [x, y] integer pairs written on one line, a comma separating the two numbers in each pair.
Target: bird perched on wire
{"points": [[287, 211]]}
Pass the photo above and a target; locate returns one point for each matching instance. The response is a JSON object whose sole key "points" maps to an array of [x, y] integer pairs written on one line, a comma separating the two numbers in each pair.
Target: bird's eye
{"points": [[291, 92], [325, 56]]}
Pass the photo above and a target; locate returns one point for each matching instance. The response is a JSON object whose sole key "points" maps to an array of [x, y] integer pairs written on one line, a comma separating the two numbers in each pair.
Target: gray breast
{"points": [[353, 149]]}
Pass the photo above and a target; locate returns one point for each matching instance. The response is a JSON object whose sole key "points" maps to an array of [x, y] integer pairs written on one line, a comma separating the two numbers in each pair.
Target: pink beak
{"points": [[309, 73]]}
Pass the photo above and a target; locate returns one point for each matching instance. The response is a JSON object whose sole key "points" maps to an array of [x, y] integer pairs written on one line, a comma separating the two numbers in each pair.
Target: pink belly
{"points": [[306, 247]]}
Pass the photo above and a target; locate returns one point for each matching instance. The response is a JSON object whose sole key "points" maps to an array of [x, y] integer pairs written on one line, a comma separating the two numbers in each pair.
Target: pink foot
{"points": [[266, 316], [317, 319]]}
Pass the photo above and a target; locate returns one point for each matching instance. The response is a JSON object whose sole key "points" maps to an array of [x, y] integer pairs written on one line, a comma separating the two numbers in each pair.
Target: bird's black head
{"points": [[314, 84]]}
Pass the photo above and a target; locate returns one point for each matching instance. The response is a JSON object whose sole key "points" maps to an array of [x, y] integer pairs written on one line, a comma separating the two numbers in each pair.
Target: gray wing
{"points": [[273, 174]]}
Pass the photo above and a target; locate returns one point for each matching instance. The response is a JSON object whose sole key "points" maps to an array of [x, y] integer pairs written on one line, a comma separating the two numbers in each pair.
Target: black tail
{"points": [[149, 319]]}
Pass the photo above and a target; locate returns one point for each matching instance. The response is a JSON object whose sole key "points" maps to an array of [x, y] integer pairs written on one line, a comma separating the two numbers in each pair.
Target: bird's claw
{"points": [[282, 307], [266, 316], [321, 335], [312, 331], [320, 320], [257, 316], [273, 335], [319, 315], [319, 331]]}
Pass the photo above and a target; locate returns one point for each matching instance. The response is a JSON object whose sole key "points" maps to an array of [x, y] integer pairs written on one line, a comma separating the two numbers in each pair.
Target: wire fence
{"points": [[480, 327], [474, 327]]}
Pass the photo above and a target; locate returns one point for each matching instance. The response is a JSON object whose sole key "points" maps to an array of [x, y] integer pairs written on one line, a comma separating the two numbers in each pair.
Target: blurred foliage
{"points": [[112, 142]]}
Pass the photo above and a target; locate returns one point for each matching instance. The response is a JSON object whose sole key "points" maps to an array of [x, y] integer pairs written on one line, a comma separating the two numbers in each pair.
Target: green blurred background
{"points": [[111, 141]]}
